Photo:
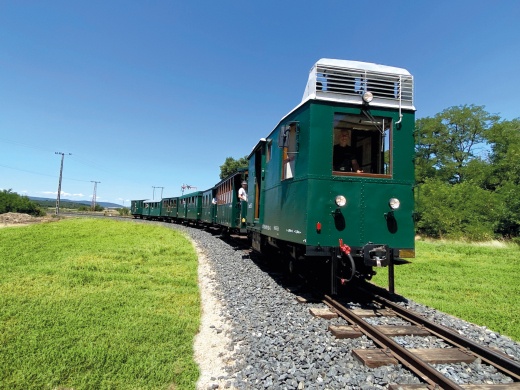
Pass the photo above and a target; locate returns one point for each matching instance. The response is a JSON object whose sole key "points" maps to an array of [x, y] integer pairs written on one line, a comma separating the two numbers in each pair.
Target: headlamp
{"points": [[367, 96], [394, 203], [341, 200]]}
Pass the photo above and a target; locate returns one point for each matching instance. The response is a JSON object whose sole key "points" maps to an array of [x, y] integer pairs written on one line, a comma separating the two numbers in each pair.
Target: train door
{"points": [[256, 184]]}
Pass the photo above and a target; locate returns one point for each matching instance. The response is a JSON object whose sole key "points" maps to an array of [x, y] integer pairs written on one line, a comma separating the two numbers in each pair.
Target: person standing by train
{"points": [[242, 192], [344, 156]]}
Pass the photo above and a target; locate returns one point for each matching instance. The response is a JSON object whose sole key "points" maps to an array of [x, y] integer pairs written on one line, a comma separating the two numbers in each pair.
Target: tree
{"points": [[12, 202], [231, 165], [504, 178], [446, 143]]}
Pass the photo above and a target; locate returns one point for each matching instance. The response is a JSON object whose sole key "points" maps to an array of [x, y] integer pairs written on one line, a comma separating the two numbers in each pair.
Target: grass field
{"points": [[476, 282], [102, 304], [97, 304]]}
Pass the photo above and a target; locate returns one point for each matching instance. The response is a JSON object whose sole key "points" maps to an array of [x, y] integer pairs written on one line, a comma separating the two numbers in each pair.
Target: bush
{"points": [[11, 202], [123, 211], [458, 211]]}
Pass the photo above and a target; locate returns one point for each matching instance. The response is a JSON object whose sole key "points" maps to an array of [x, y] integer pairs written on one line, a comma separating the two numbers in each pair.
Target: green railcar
{"points": [[152, 209], [136, 208], [231, 211], [169, 209], [209, 207], [190, 207], [333, 182]]}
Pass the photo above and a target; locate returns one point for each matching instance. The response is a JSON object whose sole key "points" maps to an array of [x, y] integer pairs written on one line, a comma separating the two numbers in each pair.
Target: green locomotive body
{"points": [[355, 213]]}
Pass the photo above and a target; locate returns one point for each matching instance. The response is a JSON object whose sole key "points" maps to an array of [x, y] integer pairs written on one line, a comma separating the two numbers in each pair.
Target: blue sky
{"points": [[159, 93]]}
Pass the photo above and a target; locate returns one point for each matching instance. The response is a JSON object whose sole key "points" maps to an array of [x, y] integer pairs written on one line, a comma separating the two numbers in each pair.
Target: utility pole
{"points": [[162, 188], [59, 184], [93, 207]]}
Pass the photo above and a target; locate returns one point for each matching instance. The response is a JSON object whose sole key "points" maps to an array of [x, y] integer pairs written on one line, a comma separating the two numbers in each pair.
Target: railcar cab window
{"points": [[361, 145], [289, 143]]}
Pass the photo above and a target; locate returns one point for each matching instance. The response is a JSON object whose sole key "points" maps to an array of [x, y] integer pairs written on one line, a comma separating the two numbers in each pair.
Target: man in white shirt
{"points": [[242, 193]]}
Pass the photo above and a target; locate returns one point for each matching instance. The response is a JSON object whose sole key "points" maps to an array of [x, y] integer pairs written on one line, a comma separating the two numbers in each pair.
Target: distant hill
{"points": [[67, 203]]}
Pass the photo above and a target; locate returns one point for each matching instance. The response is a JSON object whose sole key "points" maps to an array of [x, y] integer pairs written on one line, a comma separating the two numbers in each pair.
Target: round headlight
{"points": [[367, 97], [394, 203], [341, 201]]}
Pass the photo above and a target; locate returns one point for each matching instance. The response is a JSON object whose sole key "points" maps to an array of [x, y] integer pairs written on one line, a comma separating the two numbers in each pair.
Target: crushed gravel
{"points": [[267, 340]]}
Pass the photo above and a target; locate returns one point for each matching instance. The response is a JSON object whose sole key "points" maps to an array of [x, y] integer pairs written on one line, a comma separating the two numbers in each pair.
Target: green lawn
{"points": [[102, 304], [97, 304], [479, 283]]}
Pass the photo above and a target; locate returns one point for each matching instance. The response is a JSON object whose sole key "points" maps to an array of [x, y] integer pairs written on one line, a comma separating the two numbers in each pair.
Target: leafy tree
{"points": [[504, 138], [231, 165], [462, 192], [446, 143], [504, 178], [11, 202]]}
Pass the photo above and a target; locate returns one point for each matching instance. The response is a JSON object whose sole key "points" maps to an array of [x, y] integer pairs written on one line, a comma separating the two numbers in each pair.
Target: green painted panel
{"points": [[292, 208]]}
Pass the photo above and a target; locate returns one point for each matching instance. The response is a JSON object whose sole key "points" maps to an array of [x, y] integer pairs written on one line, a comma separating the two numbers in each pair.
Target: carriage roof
{"points": [[345, 81]]}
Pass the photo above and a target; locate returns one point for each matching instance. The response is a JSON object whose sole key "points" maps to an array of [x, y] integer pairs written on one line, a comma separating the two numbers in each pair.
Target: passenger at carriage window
{"points": [[242, 192], [344, 156]]}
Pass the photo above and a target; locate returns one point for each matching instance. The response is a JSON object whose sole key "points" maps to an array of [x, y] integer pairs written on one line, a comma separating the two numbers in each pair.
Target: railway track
{"points": [[419, 361]]}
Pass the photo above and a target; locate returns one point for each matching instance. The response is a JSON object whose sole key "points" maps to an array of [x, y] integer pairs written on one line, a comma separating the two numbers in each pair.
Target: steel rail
{"points": [[501, 362], [405, 357]]}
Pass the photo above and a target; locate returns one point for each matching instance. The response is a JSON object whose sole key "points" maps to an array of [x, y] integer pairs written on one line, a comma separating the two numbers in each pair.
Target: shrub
{"points": [[458, 211], [11, 202]]}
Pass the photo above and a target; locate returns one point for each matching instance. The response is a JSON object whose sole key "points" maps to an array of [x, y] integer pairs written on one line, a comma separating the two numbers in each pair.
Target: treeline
{"points": [[63, 204], [468, 175], [11, 202]]}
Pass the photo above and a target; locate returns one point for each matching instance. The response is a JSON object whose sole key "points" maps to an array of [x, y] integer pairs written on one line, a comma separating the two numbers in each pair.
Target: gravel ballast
{"points": [[272, 341]]}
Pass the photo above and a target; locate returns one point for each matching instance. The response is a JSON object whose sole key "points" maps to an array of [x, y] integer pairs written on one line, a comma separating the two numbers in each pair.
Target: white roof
{"points": [[361, 65], [345, 81]]}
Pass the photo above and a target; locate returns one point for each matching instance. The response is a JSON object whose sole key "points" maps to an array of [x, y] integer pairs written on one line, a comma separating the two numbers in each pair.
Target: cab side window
{"points": [[289, 143]]}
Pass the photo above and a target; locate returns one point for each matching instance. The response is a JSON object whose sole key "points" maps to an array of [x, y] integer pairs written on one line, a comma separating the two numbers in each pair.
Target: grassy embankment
{"points": [[90, 304], [105, 304], [479, 283]]}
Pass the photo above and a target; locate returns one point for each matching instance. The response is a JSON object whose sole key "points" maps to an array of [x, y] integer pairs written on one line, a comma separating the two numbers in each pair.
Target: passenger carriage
{"points": [[152, 209], [169, 210], [190, 207], [136, 208], [231, 212], [321, 211], [209, 207]]}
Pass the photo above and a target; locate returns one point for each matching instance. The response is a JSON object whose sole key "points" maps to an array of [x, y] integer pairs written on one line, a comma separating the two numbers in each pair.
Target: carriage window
{"points": [[289, 143], [361, 145], [268, 150]]}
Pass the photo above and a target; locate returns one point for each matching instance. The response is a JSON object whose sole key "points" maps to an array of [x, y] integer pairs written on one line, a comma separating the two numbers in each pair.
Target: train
{"points": [[331, 186]]}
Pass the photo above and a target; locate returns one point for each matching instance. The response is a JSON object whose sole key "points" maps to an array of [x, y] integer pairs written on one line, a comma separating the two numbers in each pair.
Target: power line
{"points": [[40, 174]]}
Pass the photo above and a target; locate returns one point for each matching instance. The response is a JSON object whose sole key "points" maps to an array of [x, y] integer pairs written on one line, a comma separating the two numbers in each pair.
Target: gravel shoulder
{"points": [[255, 335]]}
